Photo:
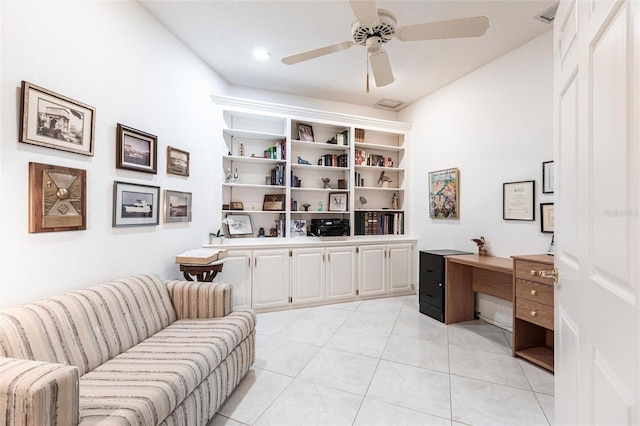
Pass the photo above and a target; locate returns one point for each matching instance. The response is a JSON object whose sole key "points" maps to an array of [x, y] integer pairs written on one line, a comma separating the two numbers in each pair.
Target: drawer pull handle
{"points": [[553, 274], [533, 292], [533, 313]]}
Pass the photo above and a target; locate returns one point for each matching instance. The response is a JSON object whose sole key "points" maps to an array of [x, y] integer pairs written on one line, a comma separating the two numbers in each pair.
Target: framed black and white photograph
{"points": [[177, 206], [56, 121], [298, 228], [518, 200], [137, 150], [547, 215], [338, 201], [135, 204], [305, 132], [239, 224], [547, 177], [177, 161]]}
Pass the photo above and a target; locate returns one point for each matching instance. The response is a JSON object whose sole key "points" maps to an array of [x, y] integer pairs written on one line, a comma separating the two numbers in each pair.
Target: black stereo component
{"points": [[328, 228]]}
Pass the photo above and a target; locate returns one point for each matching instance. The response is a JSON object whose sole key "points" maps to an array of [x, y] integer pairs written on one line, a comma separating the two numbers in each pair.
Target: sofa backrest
{"points": [[87, 327]]}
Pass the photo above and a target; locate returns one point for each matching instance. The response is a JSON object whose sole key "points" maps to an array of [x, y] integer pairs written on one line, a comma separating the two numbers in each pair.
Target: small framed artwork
{"points": [[135, 204], [547, 217], [305, 132], [137, 150], [55, 121], [236, 205], [444, 194], [518, 200], [273, 202], [177, 206], [239, 224], [177, 161], [298, 228], [57, 198], [338, 201], [547, 177]]}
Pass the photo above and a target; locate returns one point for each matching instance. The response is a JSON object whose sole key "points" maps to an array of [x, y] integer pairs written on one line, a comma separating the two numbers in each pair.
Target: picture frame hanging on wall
{"points": [[135, 204], [57, 198], [547, 177], [547, 217], [136, 150], [177, 206], [55, 121], [444, 194], [177, 161], [518, 200]]}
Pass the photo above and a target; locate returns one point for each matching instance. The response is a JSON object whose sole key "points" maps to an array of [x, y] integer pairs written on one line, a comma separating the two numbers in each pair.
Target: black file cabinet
{"points": [[432, 279]]}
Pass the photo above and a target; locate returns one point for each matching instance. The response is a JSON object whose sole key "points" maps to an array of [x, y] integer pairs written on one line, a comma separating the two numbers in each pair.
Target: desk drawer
{"points": [[535, 313], [523, 271], [535, 292]]}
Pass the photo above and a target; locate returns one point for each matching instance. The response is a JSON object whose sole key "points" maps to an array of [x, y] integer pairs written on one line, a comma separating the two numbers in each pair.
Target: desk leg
{"points": [[459, 299]]}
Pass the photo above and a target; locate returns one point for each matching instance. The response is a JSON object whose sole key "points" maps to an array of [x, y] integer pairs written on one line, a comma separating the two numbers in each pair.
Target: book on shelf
{"points": [[200, 256], [379, 223]]}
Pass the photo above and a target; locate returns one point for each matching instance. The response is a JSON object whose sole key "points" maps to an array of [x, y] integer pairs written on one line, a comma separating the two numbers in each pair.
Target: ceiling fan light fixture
{"points": [[548, 15], [389, 104], [261, 54]]}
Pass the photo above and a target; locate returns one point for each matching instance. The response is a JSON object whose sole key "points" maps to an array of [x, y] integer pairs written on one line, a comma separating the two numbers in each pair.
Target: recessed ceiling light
{"points": [[261, 54]]}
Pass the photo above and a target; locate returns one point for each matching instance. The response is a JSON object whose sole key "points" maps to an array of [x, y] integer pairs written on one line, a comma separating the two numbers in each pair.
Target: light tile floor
{"points": [[381, 362]]}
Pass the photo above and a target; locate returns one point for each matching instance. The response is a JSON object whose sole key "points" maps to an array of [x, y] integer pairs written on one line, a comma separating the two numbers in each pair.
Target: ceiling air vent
{"points": [[389, 104], [548, 15]]}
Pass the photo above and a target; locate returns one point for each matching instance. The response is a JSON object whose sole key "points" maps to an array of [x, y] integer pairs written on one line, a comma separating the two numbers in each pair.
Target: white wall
{"points": [[496, 126], [115, 57]]}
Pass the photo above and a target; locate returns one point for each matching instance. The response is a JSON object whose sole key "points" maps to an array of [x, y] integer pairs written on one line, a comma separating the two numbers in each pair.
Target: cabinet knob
{"points": [[533, 292], [533, 313], [439, 284]]}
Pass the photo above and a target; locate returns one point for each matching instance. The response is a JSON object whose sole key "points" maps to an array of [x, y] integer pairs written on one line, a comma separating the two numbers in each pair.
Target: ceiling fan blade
{"points": [[315, 53], [366, 12], [454, 28], [381, 68]]}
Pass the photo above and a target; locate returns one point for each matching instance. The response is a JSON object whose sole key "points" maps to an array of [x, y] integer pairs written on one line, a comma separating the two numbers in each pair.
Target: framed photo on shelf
{"points": [[298, 228], [137, 150], [273, 202], [305, 132], [518, 200], [444, 194], [547, 216], [338, 201], [177, 161], [55, 121], [135, 204], [547, 177], [177, 206], [239, 224], [57, 198], [236, 205]]}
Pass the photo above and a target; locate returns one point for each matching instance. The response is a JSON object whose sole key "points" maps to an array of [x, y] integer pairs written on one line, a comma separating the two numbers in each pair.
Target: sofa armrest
{"points": [[198, 300], [38, 393]]}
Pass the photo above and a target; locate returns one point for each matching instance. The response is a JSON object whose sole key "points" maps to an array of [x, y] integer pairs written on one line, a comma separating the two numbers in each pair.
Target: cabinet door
{"points": [[341, 273], [237, 272], [270, 284], [399, 267], [307, 272], [372, 270]]}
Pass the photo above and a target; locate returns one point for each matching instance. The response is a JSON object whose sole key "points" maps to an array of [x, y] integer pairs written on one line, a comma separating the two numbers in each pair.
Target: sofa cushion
{"points": [[85, 328], [147, 382]]}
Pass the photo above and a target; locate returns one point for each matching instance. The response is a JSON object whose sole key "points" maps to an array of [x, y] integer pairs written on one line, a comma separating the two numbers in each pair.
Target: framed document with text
{"points": [[518, 199]]}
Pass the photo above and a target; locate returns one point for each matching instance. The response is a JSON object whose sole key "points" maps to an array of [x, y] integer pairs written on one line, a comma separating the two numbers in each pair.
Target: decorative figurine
{"points": [[273, 232], [302, 161], [235, 176], [326, 183], [394, 201], [384, 180], [306, 206], [482, 249], [319, 206], [363, 201], [261, 232], [229, 175]]}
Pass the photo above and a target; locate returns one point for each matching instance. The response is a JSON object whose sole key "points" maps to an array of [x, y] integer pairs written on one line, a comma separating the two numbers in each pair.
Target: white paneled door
{"points": [[597, 314]]}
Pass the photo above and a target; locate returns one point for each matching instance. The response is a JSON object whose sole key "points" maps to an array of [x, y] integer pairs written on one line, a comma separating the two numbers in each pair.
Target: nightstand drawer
{"points": [[540, 293], [535, 313], [529, 271]]}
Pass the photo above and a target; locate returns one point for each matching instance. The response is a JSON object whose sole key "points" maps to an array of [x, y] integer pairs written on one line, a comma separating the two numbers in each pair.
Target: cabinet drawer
{"points": [[535, 313], [536, 292], [524, 271], [431, 292]]}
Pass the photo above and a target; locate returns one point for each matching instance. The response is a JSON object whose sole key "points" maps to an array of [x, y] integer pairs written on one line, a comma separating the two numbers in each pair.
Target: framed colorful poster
{"points": [[444, 194]]}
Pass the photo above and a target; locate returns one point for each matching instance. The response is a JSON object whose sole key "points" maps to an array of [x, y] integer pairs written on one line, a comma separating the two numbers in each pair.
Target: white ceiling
{"points": [[224, 33]]}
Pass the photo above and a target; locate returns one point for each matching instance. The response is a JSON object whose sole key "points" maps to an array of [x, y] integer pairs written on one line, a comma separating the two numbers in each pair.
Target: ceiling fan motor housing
{"points": [[383, 30]]}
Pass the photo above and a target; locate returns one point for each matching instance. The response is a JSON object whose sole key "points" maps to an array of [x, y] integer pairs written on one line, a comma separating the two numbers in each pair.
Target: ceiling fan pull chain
{"points": [[367, 73]]}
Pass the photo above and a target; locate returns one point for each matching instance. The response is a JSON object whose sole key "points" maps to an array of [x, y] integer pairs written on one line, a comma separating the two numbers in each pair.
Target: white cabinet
{"points": [[307, 275], [237, 272], [270, 284], [386, 269], [341, 273]]}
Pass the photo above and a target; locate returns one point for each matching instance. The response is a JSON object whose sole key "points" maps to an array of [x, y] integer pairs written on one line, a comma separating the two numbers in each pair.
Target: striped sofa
{"points": [[135, 351]]}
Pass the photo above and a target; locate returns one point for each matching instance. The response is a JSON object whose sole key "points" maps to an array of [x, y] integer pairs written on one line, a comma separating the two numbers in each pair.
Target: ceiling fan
{"points": [[375, 27]]}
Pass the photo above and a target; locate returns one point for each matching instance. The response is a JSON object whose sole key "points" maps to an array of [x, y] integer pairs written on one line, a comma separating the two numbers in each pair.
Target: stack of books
{"points": [[200, 256]]}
